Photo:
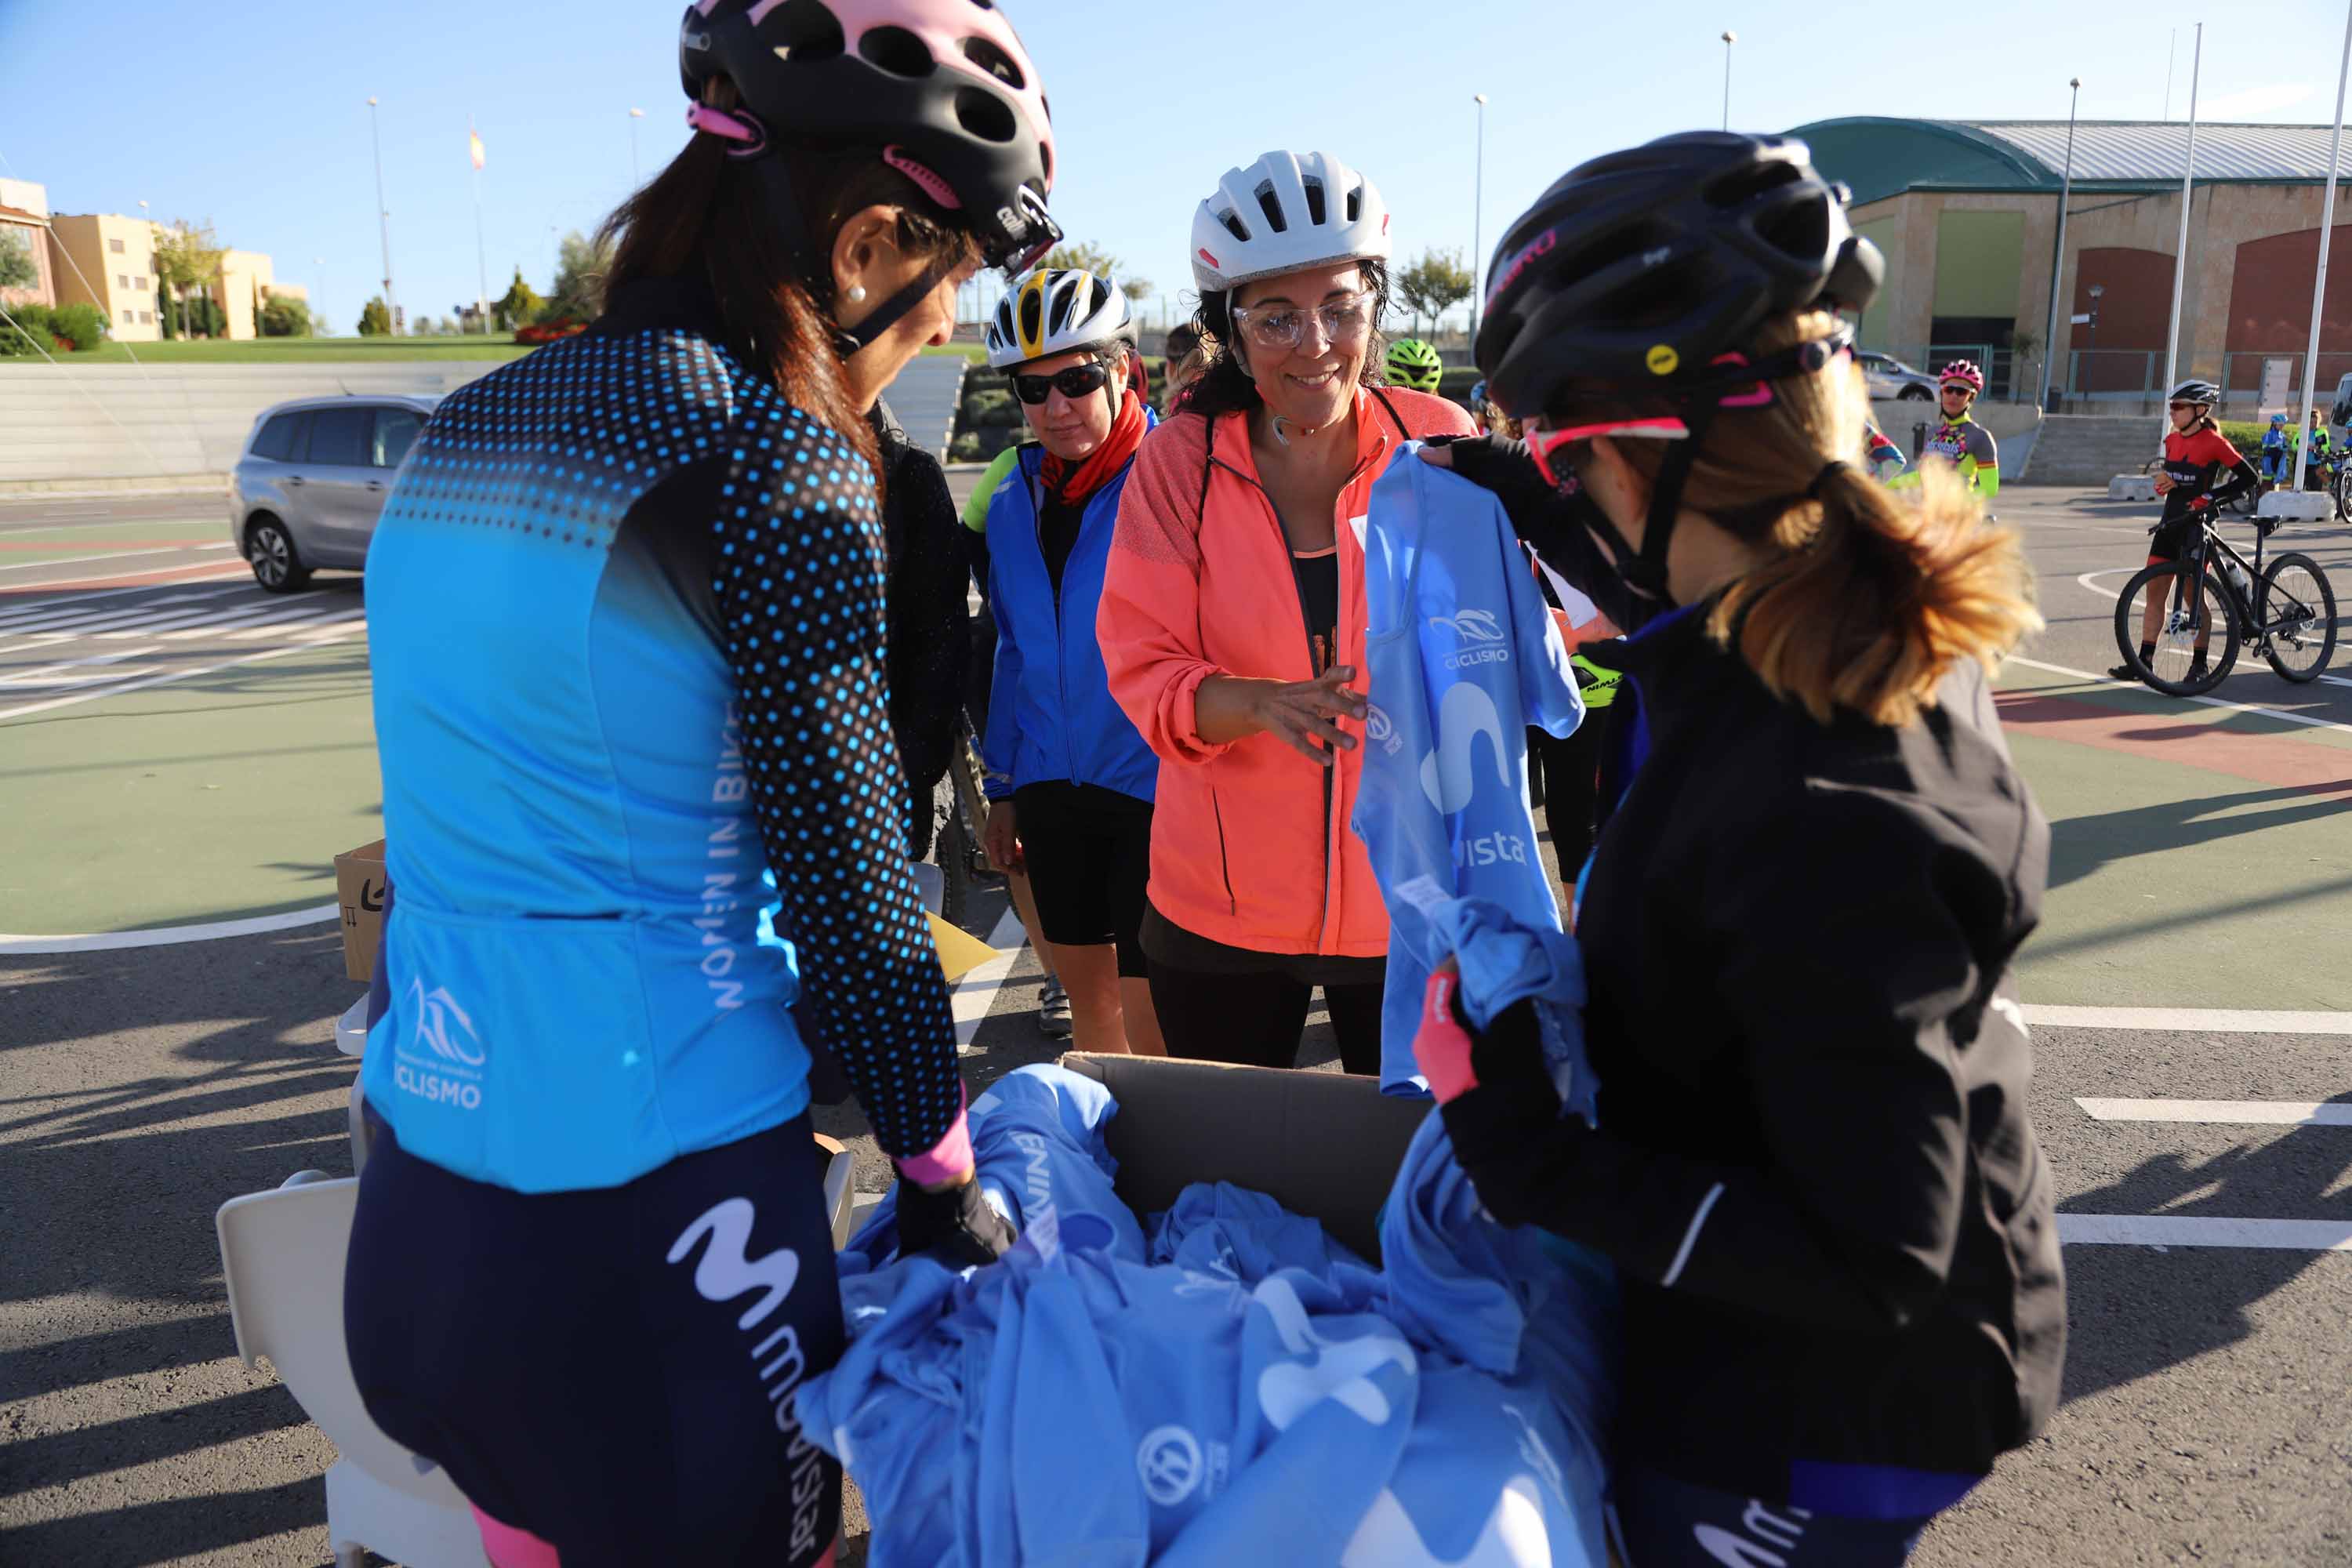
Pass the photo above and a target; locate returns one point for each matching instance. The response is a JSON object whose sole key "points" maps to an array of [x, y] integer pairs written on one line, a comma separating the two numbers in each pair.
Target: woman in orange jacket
{"points": [[1231, 620]]}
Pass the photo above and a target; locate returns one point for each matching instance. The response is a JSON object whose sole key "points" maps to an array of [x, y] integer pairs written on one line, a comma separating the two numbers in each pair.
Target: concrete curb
{"points": [[151, 485]]}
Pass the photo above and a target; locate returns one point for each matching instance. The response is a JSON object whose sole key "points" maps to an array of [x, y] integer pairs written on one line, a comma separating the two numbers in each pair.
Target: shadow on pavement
{"points": [[2082, 844]]}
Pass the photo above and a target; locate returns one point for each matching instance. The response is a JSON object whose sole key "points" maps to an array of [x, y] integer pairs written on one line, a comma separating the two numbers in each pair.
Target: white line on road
{"points": [[237, 567], [2208, 701], [2227, 1112], [116, 555], [101, 941], [2191, 1020], [158, 621], [318, 617], [243, 616], [2116, 593], [975, 993], [27, 676], [10, 619], [128, 686], [2162, 1230]]}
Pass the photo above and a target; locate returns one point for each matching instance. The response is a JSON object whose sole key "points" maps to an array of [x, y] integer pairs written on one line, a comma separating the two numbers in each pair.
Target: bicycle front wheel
{"points": [[2190, 622], [2297, 611]]}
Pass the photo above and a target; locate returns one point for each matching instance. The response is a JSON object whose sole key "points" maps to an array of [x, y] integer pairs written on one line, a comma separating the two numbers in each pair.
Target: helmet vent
{"points": [[985, 114], [1032, 316], [1275, 218], [1355, 202], [993, 60], [1744, 185], [803, 31], [1799, 230], [1314, 204], [1233, 225], [898, 51]]}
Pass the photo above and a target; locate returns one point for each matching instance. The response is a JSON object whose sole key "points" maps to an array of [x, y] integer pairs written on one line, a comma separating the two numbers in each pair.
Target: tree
{"points": [[1136, 289], [580, 267], [283, 316], [188, 258], [1434, 284], [1085, 257], [17, 268], [375, 322], [520, 305]]}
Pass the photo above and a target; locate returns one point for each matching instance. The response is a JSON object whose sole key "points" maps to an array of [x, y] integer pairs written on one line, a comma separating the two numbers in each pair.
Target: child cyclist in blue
{"points": [[2277, 454]]}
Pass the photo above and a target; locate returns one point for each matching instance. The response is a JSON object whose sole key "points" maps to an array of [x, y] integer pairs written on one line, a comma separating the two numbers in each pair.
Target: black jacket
{"points": [[1815, 1170]]}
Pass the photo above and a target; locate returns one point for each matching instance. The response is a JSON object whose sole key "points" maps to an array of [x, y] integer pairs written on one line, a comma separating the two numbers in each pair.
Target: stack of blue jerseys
{"points": [[1236, 1387]]}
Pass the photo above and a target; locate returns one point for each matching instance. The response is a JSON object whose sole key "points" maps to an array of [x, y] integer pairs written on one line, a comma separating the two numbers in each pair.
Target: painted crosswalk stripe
{"points": [[11, 619], [69, 628], [316, 619], [2189, 1020], [243, 616], [125, 687], [2223, 1113], [27, 677], [2163, 1230], [162, 622]]}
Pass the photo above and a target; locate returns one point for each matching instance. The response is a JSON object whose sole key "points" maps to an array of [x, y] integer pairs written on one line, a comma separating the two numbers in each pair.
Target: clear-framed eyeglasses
{"points": [[1345, 319]]}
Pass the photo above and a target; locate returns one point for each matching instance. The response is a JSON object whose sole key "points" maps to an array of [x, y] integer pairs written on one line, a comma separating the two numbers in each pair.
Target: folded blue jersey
{"points": [[1503, 962], [1258, 1396], [1464, 655]]}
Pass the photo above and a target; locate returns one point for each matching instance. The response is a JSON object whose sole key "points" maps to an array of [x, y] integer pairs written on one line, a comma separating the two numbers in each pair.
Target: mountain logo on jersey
{"points": [[1448, 776], [1471, 625], [436, 1011]]}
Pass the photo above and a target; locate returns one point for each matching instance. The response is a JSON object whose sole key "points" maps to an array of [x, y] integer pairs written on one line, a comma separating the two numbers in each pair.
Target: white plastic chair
{"points": [[282, 1253]]}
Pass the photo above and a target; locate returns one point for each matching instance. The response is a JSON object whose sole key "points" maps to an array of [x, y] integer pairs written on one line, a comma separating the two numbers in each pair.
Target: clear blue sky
{"points": [[255, 116]]}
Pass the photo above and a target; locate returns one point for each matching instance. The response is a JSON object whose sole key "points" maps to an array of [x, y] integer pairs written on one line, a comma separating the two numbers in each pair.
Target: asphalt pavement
{"points": [[2188, 984]]}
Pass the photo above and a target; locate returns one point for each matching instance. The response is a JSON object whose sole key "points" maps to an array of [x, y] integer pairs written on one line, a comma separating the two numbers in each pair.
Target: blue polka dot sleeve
{"points": [[799, 578]]}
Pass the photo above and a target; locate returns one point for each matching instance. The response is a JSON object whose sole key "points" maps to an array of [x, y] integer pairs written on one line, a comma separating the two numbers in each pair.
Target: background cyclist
{"points": [[1232, 620], [1414, 364], [1957, 438], [632, 659], [2201, 472], [1070, 782]]}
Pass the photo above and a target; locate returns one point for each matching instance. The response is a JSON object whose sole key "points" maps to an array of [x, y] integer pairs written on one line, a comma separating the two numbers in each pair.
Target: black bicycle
{"points": [[2203, 605]]}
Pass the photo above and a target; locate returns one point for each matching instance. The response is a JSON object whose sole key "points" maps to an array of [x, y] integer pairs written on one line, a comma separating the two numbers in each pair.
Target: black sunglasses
{"points": [[1075, 381]]}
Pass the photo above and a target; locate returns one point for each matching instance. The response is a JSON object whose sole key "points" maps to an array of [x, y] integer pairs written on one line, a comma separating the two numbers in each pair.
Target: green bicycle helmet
{"points": [[1413, 363]]}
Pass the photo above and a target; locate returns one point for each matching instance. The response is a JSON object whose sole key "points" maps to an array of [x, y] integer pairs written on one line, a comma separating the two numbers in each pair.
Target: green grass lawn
{"points": [[295, 351]]}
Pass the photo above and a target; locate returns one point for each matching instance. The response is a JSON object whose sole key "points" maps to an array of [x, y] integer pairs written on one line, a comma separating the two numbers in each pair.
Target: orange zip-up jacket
{"points": [[1248, 845]]}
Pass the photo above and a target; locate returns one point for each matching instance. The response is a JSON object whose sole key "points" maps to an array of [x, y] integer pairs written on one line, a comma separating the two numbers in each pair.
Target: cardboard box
{"points": [[359, 888], [1320, 1143]]}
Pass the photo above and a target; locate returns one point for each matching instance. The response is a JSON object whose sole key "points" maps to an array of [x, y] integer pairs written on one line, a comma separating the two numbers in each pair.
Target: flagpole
{"points": [[2180, 257], [481, 265]]}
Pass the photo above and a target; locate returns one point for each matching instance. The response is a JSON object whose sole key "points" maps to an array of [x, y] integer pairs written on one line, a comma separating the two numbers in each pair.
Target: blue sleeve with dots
{"points": [[798, 575]]}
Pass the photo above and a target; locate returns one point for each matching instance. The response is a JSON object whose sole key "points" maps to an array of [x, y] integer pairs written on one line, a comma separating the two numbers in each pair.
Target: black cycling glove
{"points": [[1548, 519], [955, 1226]]}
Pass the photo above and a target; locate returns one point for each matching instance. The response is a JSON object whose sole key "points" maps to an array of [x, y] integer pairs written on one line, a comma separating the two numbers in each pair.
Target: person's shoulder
{"points": [[1179, 440], [1427, 413]]}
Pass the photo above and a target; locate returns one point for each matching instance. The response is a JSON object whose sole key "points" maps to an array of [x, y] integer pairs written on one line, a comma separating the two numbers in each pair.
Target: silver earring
{"points": [[857, 293]]}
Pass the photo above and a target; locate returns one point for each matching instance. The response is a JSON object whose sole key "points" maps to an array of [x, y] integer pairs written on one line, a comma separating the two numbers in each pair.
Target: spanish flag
{"points": [[474, 143]]}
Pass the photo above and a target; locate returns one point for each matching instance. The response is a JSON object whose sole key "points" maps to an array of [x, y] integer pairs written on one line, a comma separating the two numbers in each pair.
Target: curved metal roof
{"points": [[1883, 156]]}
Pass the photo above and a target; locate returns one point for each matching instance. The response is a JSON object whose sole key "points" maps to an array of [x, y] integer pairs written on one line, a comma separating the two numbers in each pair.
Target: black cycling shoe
{"points": [[2197, 672], [2124, 672]]}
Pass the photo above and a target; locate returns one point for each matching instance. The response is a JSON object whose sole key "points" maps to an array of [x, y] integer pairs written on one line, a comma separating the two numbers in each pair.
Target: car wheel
{"points": [[1913, 394], [269, 551]]}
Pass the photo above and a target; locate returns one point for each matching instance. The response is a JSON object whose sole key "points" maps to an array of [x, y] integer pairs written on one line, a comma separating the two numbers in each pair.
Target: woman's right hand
{"points": [[1301, 713], [1001, 840]]}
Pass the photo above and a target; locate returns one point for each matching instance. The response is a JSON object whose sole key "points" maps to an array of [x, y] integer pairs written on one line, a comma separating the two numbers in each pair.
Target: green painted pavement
{"points": [[218, 797]]}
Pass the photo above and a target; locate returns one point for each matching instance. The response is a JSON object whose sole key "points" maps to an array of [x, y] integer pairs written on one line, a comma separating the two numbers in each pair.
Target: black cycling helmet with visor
{"points": [[1627, 301], [940, 89]]}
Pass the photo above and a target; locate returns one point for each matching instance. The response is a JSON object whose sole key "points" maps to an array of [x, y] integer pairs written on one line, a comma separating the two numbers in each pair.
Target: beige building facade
{"points": [[25, 224], [109, 260]]}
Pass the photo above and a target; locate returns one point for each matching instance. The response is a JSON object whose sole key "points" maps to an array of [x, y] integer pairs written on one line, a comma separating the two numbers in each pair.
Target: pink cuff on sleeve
{"points": [[1441, 1047], [950, 1158]]}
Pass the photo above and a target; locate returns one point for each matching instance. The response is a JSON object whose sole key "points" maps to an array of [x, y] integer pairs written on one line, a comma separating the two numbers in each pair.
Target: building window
{"points": [[122, 280], [127, 313], [146, 317], [138, 283], [115, 245]]}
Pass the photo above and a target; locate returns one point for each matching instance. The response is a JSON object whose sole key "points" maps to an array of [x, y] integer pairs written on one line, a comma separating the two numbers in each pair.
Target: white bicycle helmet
{"points": [[1283, 213], [1055, 312]]}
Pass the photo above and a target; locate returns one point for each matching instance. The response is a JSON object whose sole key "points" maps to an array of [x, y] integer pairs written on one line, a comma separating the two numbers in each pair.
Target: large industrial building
{"points": [[1967, 213]]}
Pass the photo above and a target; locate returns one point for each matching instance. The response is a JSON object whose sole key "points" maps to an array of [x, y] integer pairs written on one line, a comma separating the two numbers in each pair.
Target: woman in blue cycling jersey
{"points": [[632, 707]]}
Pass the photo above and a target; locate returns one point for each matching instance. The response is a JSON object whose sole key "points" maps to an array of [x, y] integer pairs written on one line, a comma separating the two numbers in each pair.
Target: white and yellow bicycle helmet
{"points": [[1056, 311]]}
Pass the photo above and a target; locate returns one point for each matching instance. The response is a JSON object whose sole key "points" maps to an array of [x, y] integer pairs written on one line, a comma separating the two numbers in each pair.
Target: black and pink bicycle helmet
{"points": [[940, 89]]}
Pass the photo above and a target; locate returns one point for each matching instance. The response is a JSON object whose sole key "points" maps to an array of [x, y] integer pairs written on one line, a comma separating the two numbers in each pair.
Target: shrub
{"points": [[375, 322], [990, 407], [82, 321], [283, 316], [30, 338]]}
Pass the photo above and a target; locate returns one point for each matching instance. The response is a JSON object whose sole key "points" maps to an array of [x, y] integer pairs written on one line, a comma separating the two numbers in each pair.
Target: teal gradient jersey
{"points": [[625, 609]]}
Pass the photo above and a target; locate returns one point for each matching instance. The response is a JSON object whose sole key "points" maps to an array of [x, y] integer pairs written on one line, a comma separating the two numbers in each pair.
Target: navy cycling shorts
{"points": [[610, 1370], [1658, 1522]]}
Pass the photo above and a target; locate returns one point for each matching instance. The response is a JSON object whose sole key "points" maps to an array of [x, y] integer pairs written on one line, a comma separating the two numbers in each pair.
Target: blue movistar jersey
{"points": [[626, 608]]}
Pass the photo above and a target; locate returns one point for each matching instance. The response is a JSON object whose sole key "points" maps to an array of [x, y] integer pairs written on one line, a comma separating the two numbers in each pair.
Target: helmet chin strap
{"points": [[785, 211], [1644, 570]]}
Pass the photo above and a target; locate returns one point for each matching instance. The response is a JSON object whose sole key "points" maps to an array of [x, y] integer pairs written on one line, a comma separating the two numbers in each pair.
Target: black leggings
{"points": [[609, 1369], [1257, 1019], [1656, 1521]]}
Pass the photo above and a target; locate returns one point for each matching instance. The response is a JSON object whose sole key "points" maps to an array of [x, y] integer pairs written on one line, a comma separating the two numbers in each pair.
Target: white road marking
{"points": [[66, 629], [2116, 593], [237, 567], [2162, 1230], [2192, 1020], [318, 617], [10, 619], [2223, 1113], [303, 647], [29, 676], [101, 941], [115, 555], [243, 616], [975, 993], [2208, 701], [159, 621]]}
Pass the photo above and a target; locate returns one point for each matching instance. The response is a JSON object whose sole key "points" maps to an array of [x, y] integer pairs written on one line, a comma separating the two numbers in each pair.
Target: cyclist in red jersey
{"points": [[2201, 472]]}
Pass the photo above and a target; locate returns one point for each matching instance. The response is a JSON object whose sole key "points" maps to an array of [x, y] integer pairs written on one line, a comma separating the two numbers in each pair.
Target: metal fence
{"points": [[2131, 381]]}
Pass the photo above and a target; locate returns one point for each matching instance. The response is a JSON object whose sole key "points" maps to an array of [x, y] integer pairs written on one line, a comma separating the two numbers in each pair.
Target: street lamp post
{"points": [[319, 299], [2319, 279], [2058, 248], [636, 179], [1729, 39], [383, 222], [1477, 226]]}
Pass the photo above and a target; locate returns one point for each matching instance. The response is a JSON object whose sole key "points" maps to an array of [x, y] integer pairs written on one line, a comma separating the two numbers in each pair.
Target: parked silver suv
{"points": [[307, 490]]}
